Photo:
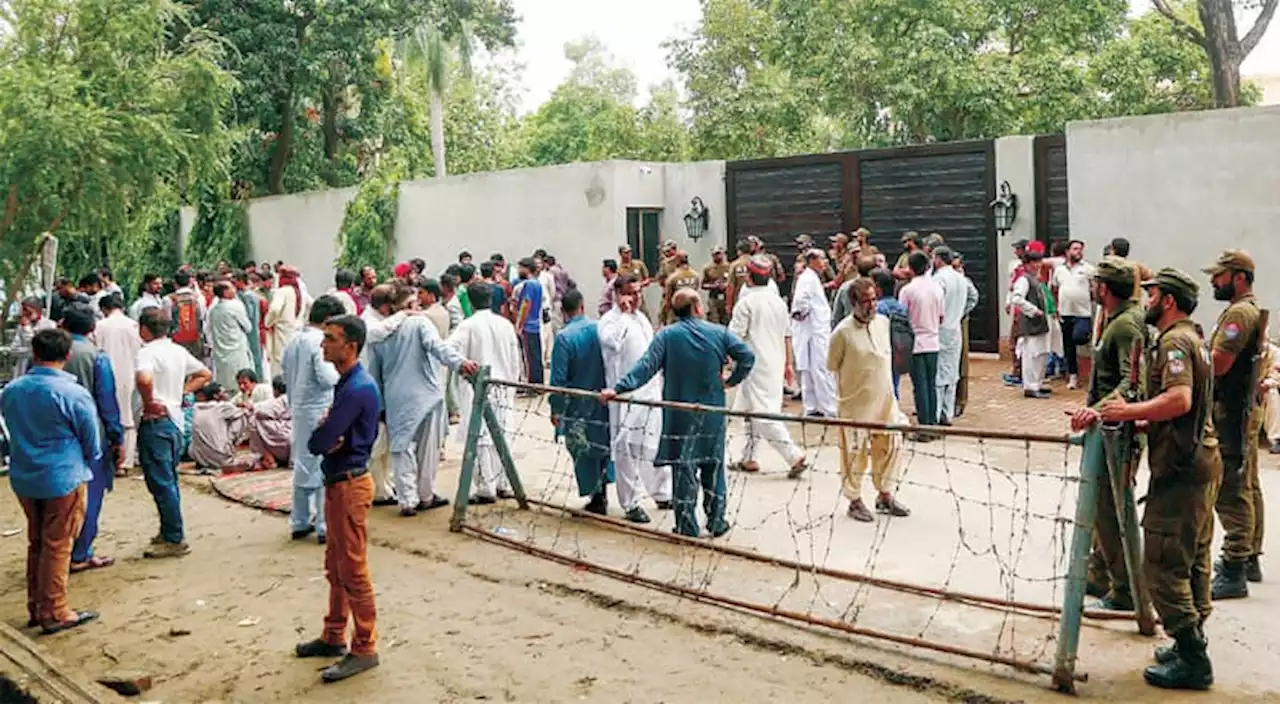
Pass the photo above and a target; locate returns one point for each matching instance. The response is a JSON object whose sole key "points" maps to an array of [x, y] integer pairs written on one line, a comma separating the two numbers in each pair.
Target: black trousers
{"points": [[924, 386]]}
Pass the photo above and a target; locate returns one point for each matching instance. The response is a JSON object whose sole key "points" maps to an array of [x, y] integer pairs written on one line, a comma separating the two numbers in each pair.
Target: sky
{"points": [[634, 32]]}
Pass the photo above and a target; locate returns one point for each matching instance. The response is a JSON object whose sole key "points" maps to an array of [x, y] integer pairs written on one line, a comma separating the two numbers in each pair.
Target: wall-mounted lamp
{"points": [[1005, 209], [698, 220]]}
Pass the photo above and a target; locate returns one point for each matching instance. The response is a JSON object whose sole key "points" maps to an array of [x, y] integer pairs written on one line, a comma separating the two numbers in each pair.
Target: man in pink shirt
{"points": [[923, 300]]}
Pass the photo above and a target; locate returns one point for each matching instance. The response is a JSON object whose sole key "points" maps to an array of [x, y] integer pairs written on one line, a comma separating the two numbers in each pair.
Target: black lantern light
{"points": [[1005, 208], [697, 220]]}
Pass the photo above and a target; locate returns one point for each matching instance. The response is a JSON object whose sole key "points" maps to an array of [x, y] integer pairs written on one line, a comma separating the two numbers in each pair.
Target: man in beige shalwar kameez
{"points": [[861, 359]]}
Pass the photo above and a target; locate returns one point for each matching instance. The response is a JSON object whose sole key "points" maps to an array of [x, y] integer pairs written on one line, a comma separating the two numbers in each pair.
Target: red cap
{"points": [[403, 269], [1036, 247]]}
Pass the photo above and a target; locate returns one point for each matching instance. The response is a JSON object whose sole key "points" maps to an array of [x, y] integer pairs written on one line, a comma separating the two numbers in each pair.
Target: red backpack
{"points": [[186, 319]]}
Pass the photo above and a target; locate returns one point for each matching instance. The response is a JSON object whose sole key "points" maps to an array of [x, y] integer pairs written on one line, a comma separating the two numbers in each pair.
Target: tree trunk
{"points": [[284, 148], [1222, 44], [437, 133]]}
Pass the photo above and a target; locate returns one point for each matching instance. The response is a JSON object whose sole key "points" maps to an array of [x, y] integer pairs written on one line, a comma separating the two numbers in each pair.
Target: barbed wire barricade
{"points": [[990, 564]]}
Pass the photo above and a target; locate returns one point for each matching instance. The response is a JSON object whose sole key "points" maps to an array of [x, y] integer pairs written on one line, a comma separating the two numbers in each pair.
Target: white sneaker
{"points": [[1073, 382]]}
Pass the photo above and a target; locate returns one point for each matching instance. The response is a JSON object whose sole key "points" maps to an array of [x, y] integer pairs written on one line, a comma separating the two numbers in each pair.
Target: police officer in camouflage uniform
{"points": [[682, 276], [1239, 350], [715, 281], [1123, 337], [1186, 470]]}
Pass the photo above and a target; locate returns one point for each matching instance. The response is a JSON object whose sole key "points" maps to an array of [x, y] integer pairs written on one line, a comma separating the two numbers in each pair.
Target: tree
{"points": [[443, 44], [590, 116], [1217, 35], [106, 122]]}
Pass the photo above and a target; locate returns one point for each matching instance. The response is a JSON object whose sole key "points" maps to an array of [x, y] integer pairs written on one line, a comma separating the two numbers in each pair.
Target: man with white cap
{"points": [[760, 318]]}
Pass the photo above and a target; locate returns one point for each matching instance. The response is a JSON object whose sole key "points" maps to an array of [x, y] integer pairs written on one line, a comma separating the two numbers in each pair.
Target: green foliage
{"points": [[220, 232], [771, 77], [109, 111], [367, 237]]}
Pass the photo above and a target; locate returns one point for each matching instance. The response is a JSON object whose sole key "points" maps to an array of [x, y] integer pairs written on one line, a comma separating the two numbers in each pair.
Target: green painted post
{"points": [[499, 438], [1093, 467], [1117, 444], [480, 383]]}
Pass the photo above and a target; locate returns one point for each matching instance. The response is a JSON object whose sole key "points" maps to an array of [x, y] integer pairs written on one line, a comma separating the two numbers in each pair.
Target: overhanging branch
{"points": [[1259, 28], [1182, 26]]}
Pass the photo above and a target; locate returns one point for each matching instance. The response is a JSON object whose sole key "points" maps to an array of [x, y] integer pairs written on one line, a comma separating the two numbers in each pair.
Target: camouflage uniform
{"points": [[717, 307], [1239, 333], [680, 277]]}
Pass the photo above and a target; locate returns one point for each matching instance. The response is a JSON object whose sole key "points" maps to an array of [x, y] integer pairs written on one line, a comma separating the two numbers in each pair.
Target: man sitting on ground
{"points": [[216, 428], [271, 427], [252, 391]]}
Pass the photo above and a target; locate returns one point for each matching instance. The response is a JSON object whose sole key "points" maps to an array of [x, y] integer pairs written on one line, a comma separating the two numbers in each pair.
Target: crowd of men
{"points": [[356, 391]]}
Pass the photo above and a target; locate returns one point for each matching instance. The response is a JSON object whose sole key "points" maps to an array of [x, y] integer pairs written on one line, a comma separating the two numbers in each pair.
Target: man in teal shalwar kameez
{"points": [[578, 363], [691, 354]]}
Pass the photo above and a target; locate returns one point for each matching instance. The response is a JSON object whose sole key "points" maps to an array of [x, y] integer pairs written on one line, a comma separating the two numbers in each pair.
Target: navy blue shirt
{"points": [[353, 418], [499, 298]]}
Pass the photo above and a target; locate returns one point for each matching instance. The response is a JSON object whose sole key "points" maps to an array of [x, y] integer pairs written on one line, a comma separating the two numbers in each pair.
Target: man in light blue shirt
{"points": [[54, 440]]}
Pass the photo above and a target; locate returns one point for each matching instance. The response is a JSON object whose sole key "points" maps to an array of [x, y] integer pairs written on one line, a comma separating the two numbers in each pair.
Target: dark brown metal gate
{"points": [[944, 188], [1053, 220]]}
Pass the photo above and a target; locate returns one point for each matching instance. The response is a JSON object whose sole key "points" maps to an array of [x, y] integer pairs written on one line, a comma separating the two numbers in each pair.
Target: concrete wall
{"points": [[577, 212], [1181, 188], [300, 229], [1015, 163]]}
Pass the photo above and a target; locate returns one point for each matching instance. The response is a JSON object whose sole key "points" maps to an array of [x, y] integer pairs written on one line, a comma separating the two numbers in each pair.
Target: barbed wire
{"points": [[1006, 500]]}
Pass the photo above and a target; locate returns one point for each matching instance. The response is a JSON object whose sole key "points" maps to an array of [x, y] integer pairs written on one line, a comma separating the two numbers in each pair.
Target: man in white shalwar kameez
{"points": [[490, 340], [761, 319], [309, 381], [861, 358], [117, 335], [625, 334], [285, 316], [810, 337], [956, 304], [375, 319], [229, 331], [406, 367], [1028, 298]]}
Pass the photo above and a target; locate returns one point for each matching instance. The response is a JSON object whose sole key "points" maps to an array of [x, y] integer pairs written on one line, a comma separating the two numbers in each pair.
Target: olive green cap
{"points": [[1231, 260], [1115, 270], [1174, 280]]}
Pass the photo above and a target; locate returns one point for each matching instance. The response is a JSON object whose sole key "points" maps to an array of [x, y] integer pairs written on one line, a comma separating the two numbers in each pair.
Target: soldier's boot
{"points": [[1191, 668], [1168, 653], [1115, 600], [1229, 580], [1253, 569]]}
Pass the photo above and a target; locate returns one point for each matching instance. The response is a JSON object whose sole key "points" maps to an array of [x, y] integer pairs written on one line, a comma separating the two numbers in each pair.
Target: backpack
{"points": [[186, 319], [902, 339]]}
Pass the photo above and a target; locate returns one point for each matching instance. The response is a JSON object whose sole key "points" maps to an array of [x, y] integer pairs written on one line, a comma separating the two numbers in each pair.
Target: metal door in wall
{"points": [[1053, 221], [945, 188], [644, 235], [777, 199]]}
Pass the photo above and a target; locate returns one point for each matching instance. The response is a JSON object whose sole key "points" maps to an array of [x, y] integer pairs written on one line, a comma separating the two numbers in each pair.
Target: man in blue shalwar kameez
{"points": [[691, 354], [578, 363]]}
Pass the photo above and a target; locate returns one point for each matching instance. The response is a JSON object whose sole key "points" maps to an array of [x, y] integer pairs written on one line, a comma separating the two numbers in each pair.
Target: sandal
{"points": [[93, 563], [81, 618]]}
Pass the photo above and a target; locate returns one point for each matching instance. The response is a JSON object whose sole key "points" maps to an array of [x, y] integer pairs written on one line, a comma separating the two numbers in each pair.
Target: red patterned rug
{"points": [[271, 489]]}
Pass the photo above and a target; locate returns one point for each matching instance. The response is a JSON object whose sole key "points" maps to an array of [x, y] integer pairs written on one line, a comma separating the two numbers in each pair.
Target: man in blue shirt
{"points": [[345, 438], [577, 362], [888, 306], [54, 440], [92, 369], [529, 320]]}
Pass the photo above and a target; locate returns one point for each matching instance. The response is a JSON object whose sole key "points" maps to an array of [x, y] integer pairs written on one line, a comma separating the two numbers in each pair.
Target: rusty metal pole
{"points": [[1093, 468], [1117, 444], [480, 386]]}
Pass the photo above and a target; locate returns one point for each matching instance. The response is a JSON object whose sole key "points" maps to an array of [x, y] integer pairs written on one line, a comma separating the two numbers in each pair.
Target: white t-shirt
{"points": [[170, 365], [1072, 284]]}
